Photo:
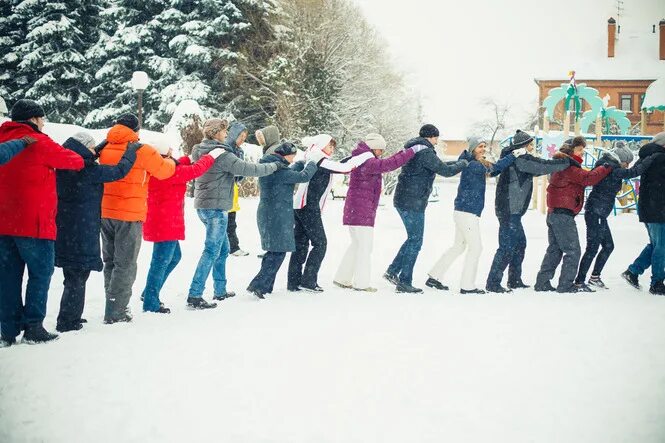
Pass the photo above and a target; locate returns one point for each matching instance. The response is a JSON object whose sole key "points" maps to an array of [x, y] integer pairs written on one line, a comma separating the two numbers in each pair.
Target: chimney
{"points": [[611, 36], [662, 39]]}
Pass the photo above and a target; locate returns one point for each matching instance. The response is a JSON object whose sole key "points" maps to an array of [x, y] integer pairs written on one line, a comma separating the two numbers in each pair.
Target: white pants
{"points": [[467, 236], [356, 266]]}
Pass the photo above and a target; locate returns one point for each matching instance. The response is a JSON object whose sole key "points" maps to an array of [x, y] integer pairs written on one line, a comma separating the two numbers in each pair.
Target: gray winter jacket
{"points": [[214, 189]]}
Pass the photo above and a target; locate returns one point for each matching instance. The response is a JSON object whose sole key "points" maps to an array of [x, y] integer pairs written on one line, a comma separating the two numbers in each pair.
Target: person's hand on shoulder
{"points": [[133, 146], [316, 157], [417, 148], [28, 140]]}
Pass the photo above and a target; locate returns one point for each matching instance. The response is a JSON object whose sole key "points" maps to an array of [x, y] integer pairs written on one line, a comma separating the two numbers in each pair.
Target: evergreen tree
{"points": [[12, 32]]}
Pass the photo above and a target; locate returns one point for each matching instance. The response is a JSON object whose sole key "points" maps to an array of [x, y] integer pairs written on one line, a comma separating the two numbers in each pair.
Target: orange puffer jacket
{"points": [[125, 199]]}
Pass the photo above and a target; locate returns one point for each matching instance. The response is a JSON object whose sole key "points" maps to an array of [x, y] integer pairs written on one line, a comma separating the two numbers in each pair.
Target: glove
{"points": [[216, 153], [417, 148], [101, 146], [133, 146], [28, 140], [281, 165], [316, 156], [519, 152]]}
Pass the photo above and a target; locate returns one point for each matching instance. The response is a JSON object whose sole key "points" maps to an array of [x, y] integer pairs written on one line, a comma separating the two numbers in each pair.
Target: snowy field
{"points": [[344, 366]]}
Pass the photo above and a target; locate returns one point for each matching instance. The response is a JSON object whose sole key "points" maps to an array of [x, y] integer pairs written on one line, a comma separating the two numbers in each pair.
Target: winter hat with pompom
{"points": [[129, 120], [85, 139], [520, 139], [474, 142], [622, 153], [286, 148], [428, 131], [25, 109], [375, 141]]}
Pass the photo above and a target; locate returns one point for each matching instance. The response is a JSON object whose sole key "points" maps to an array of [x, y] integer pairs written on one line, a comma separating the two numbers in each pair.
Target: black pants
{"points": [[597, 234], [73, 297], [510, 254], [308, 229], [234, 243], [265, 279]]}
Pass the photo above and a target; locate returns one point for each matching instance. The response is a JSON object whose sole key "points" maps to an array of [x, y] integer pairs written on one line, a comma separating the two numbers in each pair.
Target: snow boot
{"points": [[224, 296], [657, 289], [435, 284], [69, 327], [391, 278], [498, 289], [367, 289], [596, 282], [315, 288], [199, 303], [6, 342], [405, 288], [632, 279], [518, 285], [257, 293], [126, 318], [545, 287], [342, 285], [472, 291], [36, 334]]}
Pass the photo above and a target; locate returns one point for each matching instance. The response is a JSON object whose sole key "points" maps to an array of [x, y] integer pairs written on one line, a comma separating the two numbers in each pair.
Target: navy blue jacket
{"points": [[471, 190], [651, 207], [274, 215], [414, 183], [602, 196], [9, 149], [80, 208]]}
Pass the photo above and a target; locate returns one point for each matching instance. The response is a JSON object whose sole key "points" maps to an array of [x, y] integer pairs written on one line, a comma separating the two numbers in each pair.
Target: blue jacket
{"points": [[80, 208], [274, 215], [471, 190], [9, 149], [414, 183], [602, 197]]}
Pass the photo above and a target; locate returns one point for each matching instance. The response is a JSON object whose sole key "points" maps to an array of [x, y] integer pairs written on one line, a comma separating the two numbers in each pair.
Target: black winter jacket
{"points": [[651, 206]]}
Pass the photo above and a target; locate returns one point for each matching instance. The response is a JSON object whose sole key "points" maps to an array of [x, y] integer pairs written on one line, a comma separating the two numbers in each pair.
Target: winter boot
{"points": [[37, 334], [471, 291], [391, 278], [518, 285], [632, 279], [498, 289], [163, 310], [125, 318], [406, 288], [6, 342], [581, 287], [69, 327], [228, 294], [199, 303], [367, 289], [342, 285], [545, 287], [315, 288], [257, 293], [596, 282], [293, 289], [436, 284], [657, 289]]}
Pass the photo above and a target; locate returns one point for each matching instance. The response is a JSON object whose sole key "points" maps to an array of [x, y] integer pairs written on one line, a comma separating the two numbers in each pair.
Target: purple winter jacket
{"points": [[362, 199]]}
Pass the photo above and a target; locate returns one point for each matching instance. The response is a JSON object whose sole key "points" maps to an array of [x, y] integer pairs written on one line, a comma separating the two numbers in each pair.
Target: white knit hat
{"points": [[375, 141], [85, 139]]}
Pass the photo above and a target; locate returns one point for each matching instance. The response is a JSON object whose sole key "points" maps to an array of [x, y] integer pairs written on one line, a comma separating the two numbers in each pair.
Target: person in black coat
{"points": [[414, 185], [651, 210], [599, 206], [78, 220]]}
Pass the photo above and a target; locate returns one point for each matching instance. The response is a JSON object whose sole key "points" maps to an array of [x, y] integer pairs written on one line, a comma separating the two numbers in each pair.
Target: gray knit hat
{"points": [[520, 139], [85, 139], [622, 152], [659, 139], [473, 142]]}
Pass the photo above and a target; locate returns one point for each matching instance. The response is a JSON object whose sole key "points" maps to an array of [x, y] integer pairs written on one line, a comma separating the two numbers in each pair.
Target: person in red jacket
{"points": [[565, 199], [28, 204], [165, 222]]}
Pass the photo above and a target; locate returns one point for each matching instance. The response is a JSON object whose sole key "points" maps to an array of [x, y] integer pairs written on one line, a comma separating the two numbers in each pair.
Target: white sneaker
{"points": [[240, 253], [367, 289]]}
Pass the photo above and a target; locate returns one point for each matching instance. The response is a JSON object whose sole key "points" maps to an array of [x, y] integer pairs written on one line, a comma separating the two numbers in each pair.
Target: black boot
{"points": [[407, 288], [69, 327], [257, 293], [314, 288], [658, 288], [391, 278], [224, 296], [125, 318], [436, 284], [6, 342], [518, 285], [37, 334], [581, 287], [632, 279], [497, 288], [199, 303], [471, 291], [292, 289], [545, 287]]}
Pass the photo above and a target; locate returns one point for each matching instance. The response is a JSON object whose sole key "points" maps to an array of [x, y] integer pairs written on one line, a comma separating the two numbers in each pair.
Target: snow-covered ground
{"points": [[353, 367]]}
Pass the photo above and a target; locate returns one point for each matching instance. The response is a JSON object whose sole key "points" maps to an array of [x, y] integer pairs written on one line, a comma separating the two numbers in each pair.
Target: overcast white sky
{"points": [[456, 52]]}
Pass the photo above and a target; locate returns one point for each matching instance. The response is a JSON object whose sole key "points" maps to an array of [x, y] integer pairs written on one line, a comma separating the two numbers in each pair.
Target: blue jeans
{"points": [[15, 254], [652, 255], [403, 264], [165, 257], [265, 279], [512, 245], [214, 255]]}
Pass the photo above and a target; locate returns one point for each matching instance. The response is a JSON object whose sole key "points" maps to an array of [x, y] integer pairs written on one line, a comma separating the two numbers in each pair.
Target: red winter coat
{"points": [[566, 188], [28, 197], [166, 201]]}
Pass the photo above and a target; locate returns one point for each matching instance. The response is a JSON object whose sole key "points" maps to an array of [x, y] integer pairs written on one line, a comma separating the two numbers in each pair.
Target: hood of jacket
{"points": [[360, 148], [466, 155], [418, 141], [17, 130], [208, 145], [78, 147], [235, 130], [608, 159], [651, 149], [120, 134], [271, 135]]}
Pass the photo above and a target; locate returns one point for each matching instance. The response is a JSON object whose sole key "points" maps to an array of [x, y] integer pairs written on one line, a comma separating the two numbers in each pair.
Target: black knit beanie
{"points": [[521, 138], [25, 109], [286, 148], [129, 120], [429, 131]]}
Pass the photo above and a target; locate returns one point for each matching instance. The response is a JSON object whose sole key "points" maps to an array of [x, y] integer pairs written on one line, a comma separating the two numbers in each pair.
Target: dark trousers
{"points": [[598, 235], [121, 243], [510, 254], [405, 260], [563, 243], [17, 253], [234, 243], [165, 257], [265, 279], [73, 297], [308, 230]]}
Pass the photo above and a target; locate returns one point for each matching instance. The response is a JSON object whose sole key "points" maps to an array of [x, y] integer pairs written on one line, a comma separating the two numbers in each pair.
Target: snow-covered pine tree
{"points": [[51, 67], [12, 32]]}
